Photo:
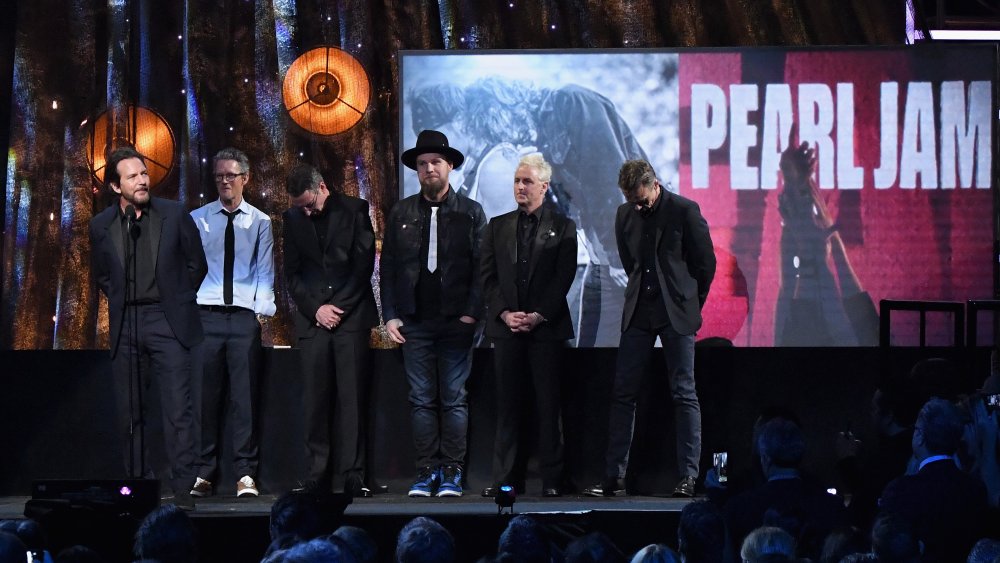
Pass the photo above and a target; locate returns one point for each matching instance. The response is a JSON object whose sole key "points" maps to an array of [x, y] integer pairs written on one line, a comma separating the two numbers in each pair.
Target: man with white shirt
{"points": [[239, 286]]}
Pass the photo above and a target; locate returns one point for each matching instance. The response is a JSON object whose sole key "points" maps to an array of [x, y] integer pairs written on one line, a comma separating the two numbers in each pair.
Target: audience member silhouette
{"points": [[12, 549], [525, 539], [656, 553], [985, 551], [78, 554], [166, 535], [359, 541], [945, 506], [893, 540], [981, 439], [767, 543], [595, 547], [801, 506], [701, 533], [844, 541], [329, 549], [306, 515], [423, 540]]}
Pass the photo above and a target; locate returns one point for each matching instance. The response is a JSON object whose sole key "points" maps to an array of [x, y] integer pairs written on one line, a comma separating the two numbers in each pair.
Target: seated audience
{"points": [[525, 539], [768, 543], [944, 506], [893, 540], [166, 535], [656, 553], [361, 544], [787, 500], [306, 515], [985, 551], [330, 549], [701, 533], [843, 541], [594, 547], [12, 549], [423, 540], [79, 554]]}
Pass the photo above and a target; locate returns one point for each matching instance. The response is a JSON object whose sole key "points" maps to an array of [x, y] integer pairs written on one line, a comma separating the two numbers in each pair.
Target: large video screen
{"points": [[900, 205]]}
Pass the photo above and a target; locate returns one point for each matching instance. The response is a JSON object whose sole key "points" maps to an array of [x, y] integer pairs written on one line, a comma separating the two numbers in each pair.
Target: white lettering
{"points": [[778, 120], [919, 152], [885, 174], [708, 129], [849, 176], [742, 136], [816, 125]]}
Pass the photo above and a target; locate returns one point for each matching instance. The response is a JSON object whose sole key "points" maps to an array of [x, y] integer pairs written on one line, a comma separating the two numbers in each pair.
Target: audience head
{"points": [[12, 549], [525, 539], [656, 553], [841, 542], [166, 535], [305, 515], [938, 430], [423, 540], [29, 532], [893, 540], [781, 444], [594, 547], [318, 550], [360, 543], [78, 554], [985, 551], [701, 533], [860, 558], [767, 542]]}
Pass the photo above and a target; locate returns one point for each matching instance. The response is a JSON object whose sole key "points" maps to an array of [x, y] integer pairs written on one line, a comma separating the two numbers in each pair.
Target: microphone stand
{"points": [[134, 367]]}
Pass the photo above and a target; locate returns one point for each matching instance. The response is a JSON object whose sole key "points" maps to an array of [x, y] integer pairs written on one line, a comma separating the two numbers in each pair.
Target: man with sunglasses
{"points": [[239, 286]]}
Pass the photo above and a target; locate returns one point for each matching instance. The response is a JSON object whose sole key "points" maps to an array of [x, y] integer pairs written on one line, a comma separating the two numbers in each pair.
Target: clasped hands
{"points": [[329, 316], [519, 321]]}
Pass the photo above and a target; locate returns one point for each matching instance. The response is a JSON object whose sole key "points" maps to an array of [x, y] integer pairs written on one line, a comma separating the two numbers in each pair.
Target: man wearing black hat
{"points": [[432, 298]]}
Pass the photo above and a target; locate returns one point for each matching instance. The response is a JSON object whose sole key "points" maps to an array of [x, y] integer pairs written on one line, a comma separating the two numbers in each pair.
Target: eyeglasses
{"points": [[230, 177], [311, 207]]}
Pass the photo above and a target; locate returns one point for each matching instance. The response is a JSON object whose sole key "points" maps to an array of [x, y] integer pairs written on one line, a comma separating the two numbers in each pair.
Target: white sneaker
{"points": [[202, 488], [246, 487]]}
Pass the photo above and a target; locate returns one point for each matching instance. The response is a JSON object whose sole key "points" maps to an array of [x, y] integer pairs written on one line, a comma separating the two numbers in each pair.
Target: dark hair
{"points": [[501, 110], [166, 535], [841, 542], [782, 442], [423, 540], [635, 173], [318, 550], [230, 153], [986, 550], [78, 554], [893, 540], [302, 178], [701, 532], [767, 541], [361, 544], [656, 553], [12, 548], [941, 424], [525, 538], [111, 175], [302, 514], [594, 547]]}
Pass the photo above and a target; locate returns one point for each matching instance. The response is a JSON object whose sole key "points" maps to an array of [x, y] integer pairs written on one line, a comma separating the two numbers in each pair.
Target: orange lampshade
{"points": [[326, 91], [135, 126]]}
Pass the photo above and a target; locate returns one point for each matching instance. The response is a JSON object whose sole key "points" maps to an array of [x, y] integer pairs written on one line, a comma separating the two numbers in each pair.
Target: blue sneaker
{"points": [[426, 483], [451, 481]]}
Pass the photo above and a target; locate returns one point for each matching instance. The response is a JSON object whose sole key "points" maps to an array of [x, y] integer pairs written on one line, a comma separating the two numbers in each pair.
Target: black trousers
{"points": [[229, 357], [523, 363], [335, 372], [170, 365]]}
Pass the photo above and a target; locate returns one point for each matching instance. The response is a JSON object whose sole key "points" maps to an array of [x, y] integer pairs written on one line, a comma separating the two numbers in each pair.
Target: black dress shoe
{"points": [[355, 487], [490, 492], [685, 488], [551, 492], [606, 488]]}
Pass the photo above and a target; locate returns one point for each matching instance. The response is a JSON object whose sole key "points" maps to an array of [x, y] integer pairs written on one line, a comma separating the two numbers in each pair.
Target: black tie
{"points": [[230, 258]]}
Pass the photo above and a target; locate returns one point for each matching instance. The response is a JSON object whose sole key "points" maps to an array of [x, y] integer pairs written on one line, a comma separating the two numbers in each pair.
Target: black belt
{"points": [[224, 308]]}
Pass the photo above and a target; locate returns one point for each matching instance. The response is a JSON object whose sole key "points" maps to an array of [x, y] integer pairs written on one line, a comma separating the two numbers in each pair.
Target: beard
{"points": [[433, 186]]}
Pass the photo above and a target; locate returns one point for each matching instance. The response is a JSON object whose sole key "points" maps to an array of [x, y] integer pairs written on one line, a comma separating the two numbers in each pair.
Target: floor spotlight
{"points": [[506, 495]]}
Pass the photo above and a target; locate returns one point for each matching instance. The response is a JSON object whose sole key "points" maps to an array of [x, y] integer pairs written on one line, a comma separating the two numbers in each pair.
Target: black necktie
{"points": [[230, 258]]}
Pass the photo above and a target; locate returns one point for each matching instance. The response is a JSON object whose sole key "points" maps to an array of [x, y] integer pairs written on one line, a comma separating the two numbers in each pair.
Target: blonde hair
{"points": [[537, 162]]}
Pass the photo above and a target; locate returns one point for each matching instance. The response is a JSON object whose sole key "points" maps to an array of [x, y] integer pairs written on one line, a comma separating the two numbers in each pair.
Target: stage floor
{"points": [[401, 505]]}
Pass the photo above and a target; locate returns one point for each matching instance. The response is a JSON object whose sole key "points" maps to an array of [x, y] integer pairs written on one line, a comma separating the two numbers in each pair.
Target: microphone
{"points": [[130, 218]]}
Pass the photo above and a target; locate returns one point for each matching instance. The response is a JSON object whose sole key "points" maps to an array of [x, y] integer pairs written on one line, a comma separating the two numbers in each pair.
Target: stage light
{"points": [[326, 91], [506, 495], [125, 491], [130, 126]]}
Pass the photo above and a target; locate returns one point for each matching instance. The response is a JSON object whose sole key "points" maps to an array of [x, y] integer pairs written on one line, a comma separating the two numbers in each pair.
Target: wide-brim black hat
{"points": [[432, 141]]}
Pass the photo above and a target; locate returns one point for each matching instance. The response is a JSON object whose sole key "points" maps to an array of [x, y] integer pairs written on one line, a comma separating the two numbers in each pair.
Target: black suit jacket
{"points": [[685, 259], [460, 229], [946, 507], [338, 274], [179, 264], [551, 272]]}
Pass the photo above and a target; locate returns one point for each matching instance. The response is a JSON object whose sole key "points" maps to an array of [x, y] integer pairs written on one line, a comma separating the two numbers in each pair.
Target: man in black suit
{"points": [[148, 260], [945, 506], [528, 265], [329, 248], [667, 252], [432, 298]]}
